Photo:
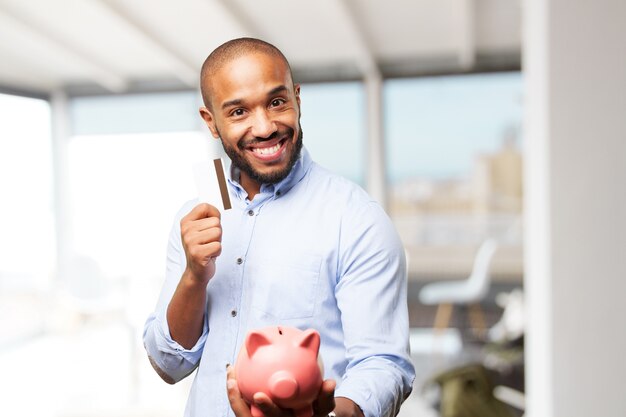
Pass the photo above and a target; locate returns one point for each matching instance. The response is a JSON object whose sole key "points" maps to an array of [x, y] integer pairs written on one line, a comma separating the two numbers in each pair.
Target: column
{"points": [[575, 214], [376, 173], [60, 136]]}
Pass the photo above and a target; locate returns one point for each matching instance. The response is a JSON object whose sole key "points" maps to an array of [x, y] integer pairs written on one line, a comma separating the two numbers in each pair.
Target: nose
{"points": [[283, 385], [262, 125]]}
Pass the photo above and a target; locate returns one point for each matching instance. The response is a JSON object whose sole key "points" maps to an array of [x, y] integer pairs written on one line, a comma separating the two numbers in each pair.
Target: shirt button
{"points": [[278, 193], [239, 261], [233, 313], [250, 212]]}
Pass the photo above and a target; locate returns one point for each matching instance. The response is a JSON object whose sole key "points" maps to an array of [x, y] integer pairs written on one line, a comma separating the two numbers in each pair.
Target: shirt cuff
{"points": [[362, 398], [167, 344]]}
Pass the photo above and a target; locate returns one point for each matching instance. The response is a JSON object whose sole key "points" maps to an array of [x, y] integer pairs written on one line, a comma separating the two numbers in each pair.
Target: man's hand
{"points": [[201, 234], [347, 408], [324, 404]]}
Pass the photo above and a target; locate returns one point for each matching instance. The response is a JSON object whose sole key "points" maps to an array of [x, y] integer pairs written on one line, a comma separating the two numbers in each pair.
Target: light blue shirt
{"points": [[313, 251]]}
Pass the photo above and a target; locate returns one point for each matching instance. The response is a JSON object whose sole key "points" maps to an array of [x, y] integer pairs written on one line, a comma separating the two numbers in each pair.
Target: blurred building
{"points": [[497, 179], [442, 221]]}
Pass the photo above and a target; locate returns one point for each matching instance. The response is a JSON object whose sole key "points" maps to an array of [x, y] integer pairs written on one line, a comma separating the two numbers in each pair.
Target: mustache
{"points": [[244, 143]]}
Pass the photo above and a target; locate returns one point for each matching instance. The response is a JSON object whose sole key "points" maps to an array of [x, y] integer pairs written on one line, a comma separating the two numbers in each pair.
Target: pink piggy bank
{"points": [[281, 362]]}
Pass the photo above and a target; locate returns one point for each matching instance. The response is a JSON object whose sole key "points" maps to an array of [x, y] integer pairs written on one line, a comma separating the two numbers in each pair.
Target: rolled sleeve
{"points": [[172, 361], [371, 294], [378, 386]]}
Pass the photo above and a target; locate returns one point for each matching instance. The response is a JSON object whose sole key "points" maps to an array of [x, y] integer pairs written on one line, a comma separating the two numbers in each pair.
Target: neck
{"points": [[251, 186]]}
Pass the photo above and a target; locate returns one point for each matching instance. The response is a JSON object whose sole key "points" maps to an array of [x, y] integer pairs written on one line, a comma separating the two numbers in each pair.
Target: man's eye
{"points": [[277, 102], [237, 112]]}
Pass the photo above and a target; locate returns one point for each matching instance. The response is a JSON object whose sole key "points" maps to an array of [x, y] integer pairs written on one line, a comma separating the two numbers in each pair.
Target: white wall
{"points": [[575, 69]]}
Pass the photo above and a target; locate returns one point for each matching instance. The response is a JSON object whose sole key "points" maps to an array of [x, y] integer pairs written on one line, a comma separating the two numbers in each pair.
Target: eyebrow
{"points": [[276, 90], [230, 103], [238, 101]]}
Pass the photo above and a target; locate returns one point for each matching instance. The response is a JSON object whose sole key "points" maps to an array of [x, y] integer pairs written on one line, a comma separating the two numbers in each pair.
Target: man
{"points": [[300, 247]]}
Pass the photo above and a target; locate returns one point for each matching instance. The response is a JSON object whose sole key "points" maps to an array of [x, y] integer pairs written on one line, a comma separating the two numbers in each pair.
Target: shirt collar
{"points": [[296, 174]]}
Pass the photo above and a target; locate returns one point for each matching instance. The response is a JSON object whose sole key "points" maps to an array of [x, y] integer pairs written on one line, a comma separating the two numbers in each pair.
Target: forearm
{"points": [[185, 312], [345, 407]]}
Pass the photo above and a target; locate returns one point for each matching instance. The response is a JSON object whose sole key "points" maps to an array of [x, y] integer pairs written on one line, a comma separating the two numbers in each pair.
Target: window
{"points": [[27, 246], [130, 169], [125, 191], [454, 164], [333, 122]]}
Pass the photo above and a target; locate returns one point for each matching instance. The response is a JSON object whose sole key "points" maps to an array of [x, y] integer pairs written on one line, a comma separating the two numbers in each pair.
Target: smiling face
{"points": [[255, 111]]}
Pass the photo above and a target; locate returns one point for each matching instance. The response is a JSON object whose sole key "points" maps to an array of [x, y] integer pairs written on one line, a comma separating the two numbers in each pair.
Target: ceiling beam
{"points": [[98, 71], [241, 18], [366, 61], [17, 91], [467, 33], [22, 73], [183, 68]]}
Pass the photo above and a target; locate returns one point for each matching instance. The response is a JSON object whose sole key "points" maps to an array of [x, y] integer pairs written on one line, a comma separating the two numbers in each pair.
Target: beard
{"points": [[238, 160]]}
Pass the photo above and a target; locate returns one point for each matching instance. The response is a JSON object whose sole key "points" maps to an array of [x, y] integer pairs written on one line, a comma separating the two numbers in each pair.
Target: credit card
{"points": [[210, 177]]}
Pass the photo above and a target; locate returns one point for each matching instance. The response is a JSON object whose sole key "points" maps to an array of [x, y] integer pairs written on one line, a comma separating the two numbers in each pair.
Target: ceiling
{"points": [[117, 46]]}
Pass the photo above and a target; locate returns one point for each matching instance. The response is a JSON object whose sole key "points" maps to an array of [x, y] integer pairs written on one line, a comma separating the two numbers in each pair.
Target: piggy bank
{"points": [[281, 362]]}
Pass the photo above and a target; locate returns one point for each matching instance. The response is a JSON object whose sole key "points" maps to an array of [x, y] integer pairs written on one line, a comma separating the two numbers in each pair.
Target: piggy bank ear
{"points": [[255, 340], [309, 340]]}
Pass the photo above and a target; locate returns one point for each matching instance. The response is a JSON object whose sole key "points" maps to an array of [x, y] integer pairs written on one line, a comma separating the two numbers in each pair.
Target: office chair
{"points": [[468, 292]]}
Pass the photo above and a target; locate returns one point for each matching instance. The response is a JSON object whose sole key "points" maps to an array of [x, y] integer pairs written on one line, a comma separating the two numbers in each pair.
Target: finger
{"points": [[214, 249], [205, 251], [201, 237], [328, 387], [202, 210], [205, 223], [269, 409], [237, 403], [325, 402]]}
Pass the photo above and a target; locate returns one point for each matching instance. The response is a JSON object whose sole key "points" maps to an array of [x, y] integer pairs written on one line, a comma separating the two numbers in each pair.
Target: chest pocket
{"points": [[286, 288]]}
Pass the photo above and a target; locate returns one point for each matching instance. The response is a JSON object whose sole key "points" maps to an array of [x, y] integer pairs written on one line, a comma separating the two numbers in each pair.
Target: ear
{"points": [[296, 89], [255, 340], [209, 120], [309, 340]]}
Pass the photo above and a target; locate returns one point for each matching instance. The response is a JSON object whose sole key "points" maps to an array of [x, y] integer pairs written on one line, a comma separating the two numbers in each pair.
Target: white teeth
{"points": [[267, 151]]}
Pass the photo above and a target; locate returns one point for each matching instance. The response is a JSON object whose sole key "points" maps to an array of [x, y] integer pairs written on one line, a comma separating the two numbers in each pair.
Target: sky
{"points": [[435, 125]]}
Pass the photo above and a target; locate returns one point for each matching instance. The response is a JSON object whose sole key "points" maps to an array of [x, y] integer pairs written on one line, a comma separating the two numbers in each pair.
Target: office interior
{"points": [[491, 131]]}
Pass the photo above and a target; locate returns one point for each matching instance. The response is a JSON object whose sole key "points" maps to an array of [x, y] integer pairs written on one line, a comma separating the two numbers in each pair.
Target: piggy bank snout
{"points": [[283, 385]]}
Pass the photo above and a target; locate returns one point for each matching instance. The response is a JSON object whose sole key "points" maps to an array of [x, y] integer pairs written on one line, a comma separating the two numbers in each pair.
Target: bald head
{"points": [[230, 51]]}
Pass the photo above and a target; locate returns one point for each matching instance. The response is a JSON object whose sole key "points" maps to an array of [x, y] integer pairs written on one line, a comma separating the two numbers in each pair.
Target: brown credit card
{"points": [[210, 177]]}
